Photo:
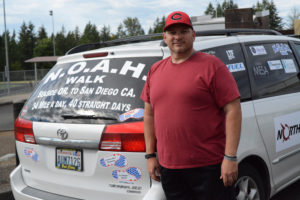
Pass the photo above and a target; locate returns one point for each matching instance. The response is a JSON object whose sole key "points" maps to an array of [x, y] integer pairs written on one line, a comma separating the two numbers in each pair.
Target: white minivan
{"points": [[80, 134]]}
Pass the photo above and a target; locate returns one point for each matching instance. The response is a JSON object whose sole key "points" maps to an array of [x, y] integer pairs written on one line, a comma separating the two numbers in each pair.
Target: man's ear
{"points": [[164, 36], [194, 35]]}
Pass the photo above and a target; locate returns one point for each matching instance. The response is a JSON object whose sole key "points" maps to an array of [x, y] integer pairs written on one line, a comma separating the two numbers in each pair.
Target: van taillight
{"points": [[123, 137], [24, 131]]}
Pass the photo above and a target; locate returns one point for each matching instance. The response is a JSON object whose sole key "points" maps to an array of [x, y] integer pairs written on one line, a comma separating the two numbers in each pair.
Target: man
{"points": [[192, 117]]}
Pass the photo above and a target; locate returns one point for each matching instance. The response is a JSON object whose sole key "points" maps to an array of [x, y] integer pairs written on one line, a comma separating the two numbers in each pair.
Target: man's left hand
{"points": [[229, 172]]}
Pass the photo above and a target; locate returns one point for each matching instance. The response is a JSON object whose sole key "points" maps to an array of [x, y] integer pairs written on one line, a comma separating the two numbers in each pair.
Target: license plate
{"points": [[70, 159]]}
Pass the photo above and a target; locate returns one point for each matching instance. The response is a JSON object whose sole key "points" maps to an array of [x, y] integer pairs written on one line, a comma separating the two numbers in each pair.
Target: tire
{"points": [[250, 184]]}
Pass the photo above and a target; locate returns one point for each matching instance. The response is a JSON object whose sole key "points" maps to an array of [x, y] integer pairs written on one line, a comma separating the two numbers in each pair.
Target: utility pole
{"points": [[51, 14], [6, 52]]}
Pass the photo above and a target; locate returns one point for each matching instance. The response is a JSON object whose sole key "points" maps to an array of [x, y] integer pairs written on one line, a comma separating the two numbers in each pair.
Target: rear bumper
{"points": [[23, 192]]}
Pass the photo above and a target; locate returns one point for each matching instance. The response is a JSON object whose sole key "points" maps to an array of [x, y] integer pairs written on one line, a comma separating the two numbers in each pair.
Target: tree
{"points": [[2, 53], [90, 34], [228, 5], [210, 10], [220, 10], [275, 20], [105, 34], [294, 14], [158, 25], [72, 39], [133, 27], [43, 48], [60, 42], [42, 33], [27, 42], [77, 35], [14, 53], [120, 32]]}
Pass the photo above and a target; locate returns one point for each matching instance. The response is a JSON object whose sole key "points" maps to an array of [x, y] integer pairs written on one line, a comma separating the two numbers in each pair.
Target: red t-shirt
{"points": [[187, 101]]}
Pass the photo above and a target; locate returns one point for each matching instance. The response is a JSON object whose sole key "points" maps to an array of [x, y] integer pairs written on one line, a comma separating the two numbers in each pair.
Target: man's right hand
{"points": [[153, 168]]}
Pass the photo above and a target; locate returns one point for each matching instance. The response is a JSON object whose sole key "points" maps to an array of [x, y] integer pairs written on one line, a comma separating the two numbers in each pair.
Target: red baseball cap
{"points": [[178, 17]]}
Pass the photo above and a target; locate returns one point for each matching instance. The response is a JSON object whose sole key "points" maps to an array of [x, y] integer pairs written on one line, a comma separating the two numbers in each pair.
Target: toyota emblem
{"points": [[62, 134]]}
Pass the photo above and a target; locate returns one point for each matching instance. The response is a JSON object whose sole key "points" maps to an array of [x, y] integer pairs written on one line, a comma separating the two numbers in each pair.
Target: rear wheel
{"points": [[250, 184]]}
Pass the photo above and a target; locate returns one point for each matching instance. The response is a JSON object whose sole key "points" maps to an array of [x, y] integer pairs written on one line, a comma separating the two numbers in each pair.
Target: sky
{"points": [[72, 13]]}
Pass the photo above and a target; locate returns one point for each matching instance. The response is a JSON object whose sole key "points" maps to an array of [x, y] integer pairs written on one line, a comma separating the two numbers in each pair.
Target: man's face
{"points": [[179, 38]]}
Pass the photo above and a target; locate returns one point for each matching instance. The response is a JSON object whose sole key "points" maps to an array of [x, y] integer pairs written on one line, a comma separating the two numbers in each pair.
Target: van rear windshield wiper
{"points": [[68, 116]]}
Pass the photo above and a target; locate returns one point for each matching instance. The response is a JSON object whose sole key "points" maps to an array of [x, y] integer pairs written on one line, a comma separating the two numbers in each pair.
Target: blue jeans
{"points": [[201, 183]]}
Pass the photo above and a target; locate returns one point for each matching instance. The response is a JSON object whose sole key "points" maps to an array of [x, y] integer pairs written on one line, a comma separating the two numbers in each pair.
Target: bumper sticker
{"points": [[31, 153], [131, 174], [117, 160], [136, 113]]}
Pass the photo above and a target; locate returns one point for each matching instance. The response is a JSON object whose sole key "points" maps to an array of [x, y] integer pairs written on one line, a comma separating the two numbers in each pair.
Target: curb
{"points": [[6, 103]]}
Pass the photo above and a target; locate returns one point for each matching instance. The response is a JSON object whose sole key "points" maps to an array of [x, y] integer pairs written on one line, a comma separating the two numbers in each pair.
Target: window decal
{"points": [[236, 67], [275, 64], [289, 66], [258, 50], [283, 49], [135, 113], [230, 54], [260, 70]]}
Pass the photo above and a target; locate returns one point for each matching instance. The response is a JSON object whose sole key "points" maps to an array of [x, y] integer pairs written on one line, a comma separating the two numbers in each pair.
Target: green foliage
{"points": [[60, 42], [130, 27], [158, 25], [210, 10], [229, 5], [275, 20], [27, 42], [90, 34], [105, 34], [2, 52], [44, 47], [14, 53], [42, 33], [220, 10], [120, 32]]}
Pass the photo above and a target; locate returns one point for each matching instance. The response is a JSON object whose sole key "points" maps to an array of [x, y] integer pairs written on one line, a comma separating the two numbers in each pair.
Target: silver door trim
{"points": [[280, 158]]}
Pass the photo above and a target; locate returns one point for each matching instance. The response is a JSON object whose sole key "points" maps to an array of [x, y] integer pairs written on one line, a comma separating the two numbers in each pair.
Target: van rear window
{"points": [[106, 90]]}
